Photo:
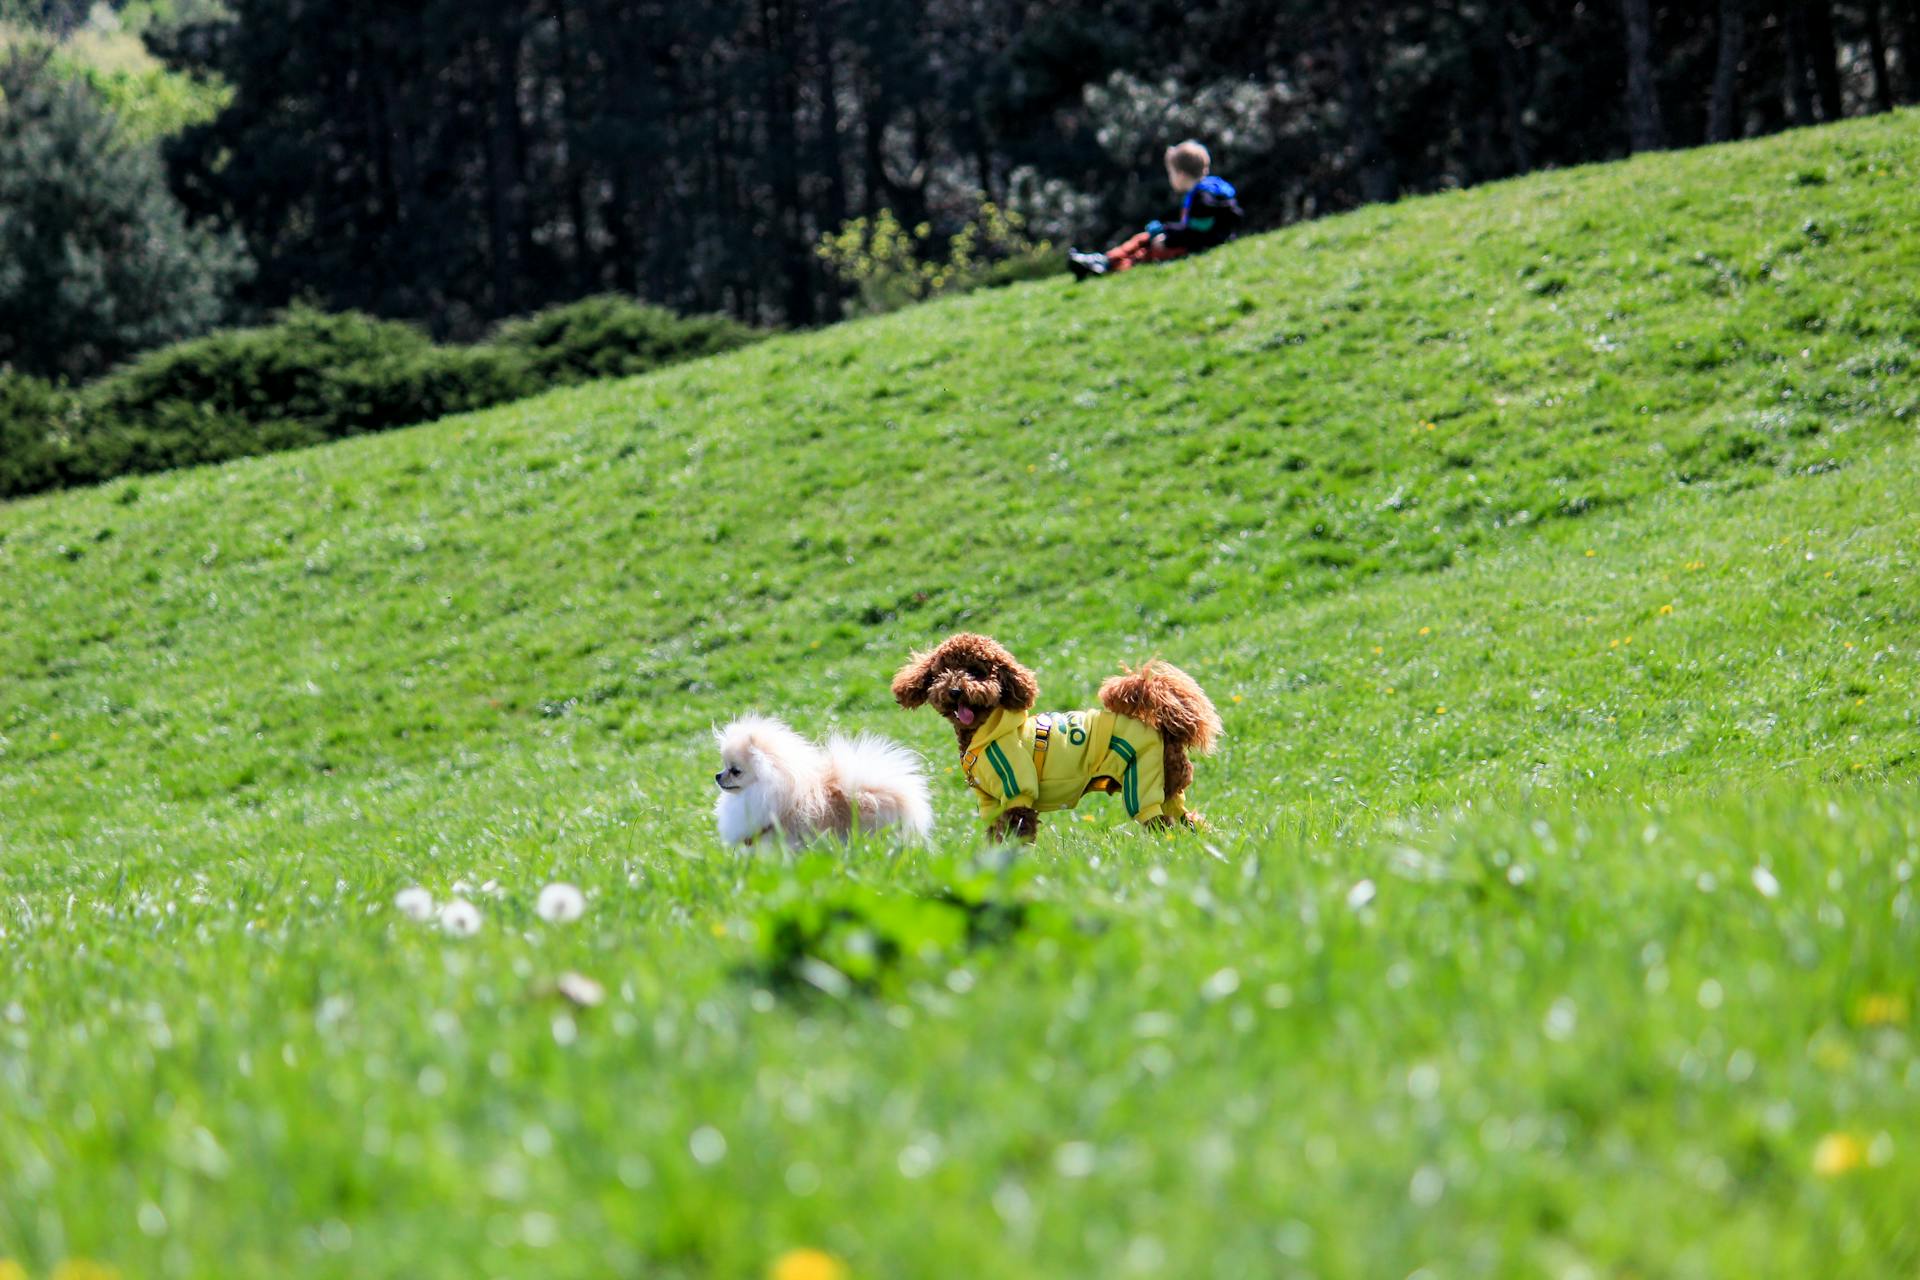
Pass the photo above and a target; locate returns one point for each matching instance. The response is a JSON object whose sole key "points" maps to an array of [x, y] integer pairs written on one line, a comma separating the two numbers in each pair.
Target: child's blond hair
{"points": [[1190, 158]]}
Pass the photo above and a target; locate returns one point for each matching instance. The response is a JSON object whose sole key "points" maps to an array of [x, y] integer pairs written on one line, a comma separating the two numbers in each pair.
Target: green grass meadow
{"points": [[1550, 549]]}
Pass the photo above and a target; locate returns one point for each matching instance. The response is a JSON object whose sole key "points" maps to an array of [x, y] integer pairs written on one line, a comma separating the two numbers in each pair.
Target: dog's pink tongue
{"points": [[964, 715]]}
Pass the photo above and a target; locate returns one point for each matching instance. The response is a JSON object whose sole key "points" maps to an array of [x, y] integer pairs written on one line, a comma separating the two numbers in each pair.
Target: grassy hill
{"points": [[1549, 547]]}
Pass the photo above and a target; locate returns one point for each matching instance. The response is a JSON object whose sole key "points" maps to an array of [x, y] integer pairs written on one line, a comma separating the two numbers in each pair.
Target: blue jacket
{"points": [[1210, 215]]}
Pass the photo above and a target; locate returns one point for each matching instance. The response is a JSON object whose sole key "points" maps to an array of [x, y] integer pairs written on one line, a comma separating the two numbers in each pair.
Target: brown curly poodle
{"points": [[1022, 764]]}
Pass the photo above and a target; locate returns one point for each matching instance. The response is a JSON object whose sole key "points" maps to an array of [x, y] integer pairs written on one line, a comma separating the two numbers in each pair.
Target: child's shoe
{"points": [[1084, 264]]}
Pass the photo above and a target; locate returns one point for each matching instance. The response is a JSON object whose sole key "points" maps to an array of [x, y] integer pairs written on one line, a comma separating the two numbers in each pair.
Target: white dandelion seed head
{"points": [[708, 1145], [1360, 895], [414, 903], [460, 918], [581, 989], [561, 904], [1765, 883]]}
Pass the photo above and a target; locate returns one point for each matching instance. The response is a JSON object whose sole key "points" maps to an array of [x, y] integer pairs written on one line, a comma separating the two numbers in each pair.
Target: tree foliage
{"points": [[97, 258], [455, 163]]}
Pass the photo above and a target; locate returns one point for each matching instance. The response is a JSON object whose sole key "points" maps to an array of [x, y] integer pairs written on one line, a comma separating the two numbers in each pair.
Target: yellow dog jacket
{"points": [[1048, 760]]}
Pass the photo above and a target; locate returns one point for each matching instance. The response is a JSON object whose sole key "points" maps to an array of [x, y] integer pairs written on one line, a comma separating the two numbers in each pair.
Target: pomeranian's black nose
{"points": [[720, 780]]}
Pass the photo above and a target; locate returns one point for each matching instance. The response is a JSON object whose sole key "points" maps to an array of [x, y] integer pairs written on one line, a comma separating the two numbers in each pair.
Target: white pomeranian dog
{"points": [[775, 785]]}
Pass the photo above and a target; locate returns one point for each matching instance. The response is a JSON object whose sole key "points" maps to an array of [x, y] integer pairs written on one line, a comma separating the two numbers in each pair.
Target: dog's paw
{"points": [[1017, 824]]}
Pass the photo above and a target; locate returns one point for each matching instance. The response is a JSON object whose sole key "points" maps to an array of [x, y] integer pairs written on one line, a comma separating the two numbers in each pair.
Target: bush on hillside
{"points": [[611, 336], [343, 375], [311, 377], [35, 419], [893, 267], [305, 380]]}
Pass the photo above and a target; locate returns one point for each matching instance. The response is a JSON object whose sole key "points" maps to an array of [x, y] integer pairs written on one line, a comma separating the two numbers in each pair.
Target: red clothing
{"points": [[1138, 250]]}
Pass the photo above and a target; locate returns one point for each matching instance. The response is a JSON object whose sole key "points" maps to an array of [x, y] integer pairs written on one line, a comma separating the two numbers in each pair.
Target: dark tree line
{"points": [[455, 161]]}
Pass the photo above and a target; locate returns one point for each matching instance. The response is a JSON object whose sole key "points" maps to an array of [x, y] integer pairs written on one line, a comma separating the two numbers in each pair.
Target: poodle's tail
{"points": [[1162, 695], [882, 783]]}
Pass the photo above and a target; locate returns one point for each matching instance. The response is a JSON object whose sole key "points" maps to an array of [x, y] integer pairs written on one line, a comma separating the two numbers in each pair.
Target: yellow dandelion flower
{"points": [[1426, 630], [719, 930], [85, 1269], [1390, 689], [1628, 640], [1859, 702], [1881, 1011], [1031, 468], [1591, 553], [1236, 697], [11, 1270], [807, 1264], [1378, 650], [1848, 643], [1666, 608], [1439, 711], [1613, 644], [1838, 1153]]}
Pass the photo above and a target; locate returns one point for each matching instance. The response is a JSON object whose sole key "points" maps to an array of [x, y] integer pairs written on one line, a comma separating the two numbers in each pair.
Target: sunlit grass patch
{"points": [[360, 910]]}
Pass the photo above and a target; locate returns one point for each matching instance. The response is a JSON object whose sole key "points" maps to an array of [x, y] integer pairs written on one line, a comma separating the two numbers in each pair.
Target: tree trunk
{"points": [[783, 108], [1877, 55], [1372, 163], [1825, 57], [835, 212], [1909, 17], [1721, 126], [1513, 100], [1643, 96], [573, 159], [500, 183], [1799, 93], [873, 130], [830, 162]]}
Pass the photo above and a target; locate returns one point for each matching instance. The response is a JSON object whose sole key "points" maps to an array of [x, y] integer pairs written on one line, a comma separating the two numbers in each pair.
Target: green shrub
{"points": [[35, 417], [426, 384], [311, 377], [307, 379], [292, 369], [893, 267], [610, 336], [174, 433]]}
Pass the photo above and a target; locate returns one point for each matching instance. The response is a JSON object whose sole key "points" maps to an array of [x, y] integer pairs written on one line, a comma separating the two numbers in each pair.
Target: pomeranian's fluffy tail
{"points": [[1164, 696], [882, 783]]}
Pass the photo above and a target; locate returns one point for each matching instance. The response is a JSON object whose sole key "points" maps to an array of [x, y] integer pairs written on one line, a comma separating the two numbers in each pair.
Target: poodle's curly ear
{"points": [[911, 682], [1019, 690]]}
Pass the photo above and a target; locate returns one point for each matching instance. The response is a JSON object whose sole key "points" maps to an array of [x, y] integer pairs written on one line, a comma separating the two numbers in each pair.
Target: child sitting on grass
{"points": [[1209, 215]]}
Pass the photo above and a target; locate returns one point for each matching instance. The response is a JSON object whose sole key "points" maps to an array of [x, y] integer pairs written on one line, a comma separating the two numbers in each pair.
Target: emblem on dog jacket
{"points": [[1049, 760]]}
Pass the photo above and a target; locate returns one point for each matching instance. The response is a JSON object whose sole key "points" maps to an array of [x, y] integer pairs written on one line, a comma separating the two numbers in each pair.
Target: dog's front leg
{"points": [[1023, 823]]}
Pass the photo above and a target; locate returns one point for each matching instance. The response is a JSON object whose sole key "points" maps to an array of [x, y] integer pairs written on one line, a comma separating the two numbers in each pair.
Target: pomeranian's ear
{"points": [[911, 682], [1018, 688]]}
